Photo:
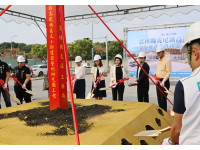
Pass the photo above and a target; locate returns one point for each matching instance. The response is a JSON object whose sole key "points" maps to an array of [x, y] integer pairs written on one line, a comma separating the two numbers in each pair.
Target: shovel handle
{"points": [[15, 79], [165, 129]]}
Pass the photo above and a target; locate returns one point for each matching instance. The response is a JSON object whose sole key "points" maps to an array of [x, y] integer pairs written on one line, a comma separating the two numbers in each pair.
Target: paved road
{"points": [[130, 93]]}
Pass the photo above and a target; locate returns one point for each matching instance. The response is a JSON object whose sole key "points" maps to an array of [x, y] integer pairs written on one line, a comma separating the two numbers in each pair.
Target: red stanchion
{"points": [[5, 10], [68, 72], [128, 52]]}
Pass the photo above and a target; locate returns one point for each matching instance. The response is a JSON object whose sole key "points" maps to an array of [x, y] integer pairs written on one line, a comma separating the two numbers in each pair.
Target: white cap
{"points": [[118, 56], [78, 59], [159, 49], [20, 59], [142, 54], [191, 34], [97, 57]]}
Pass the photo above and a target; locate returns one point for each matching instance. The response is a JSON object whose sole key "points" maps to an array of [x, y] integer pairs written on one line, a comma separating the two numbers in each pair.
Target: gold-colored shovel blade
{"points": [[169, 92], [172, 112], [15, 99], [152, 133], [89, 96], [30, 92], [106, 88]]}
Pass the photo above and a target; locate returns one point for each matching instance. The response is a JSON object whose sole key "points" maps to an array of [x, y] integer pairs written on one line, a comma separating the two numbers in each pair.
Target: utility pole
{"points": [[11, 45], [107, 61], [92, 45]]}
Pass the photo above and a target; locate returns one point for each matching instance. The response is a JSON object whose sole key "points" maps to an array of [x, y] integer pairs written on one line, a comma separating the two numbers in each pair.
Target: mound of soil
{"points": [[62, 119]]}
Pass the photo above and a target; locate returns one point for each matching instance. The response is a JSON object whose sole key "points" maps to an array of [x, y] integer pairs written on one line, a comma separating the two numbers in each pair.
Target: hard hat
{"points": [[78, 59], [191, 34], [142, 54], [97, 57], [20, 59], [118, 56], [159, 49]]}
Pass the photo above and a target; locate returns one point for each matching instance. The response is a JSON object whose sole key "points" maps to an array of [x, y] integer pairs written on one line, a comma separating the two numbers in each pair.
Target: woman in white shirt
{"points": [[118, 72], [96, 70], [79, 86]]}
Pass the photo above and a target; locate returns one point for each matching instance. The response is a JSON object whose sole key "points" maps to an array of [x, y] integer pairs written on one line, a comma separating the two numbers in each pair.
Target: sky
{"points": [[31, 34]]}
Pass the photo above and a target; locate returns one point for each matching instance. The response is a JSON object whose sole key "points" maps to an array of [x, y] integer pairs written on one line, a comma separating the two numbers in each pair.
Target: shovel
{"points": [[90, 95], [152, 133], [109, 87], [11, 97], [166, 90], [27, 91]]}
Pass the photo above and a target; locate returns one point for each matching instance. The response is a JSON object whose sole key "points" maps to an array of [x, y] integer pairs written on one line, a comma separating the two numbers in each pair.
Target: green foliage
{"points": [[114, 48], [81, 48], [39, 51]]}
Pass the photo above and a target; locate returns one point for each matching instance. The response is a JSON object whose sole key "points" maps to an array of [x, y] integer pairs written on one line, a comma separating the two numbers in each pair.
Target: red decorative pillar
{"points": [[56, 59]]}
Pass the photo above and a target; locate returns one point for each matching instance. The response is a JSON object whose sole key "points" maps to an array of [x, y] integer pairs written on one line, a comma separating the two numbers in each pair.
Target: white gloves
{"points": [[94, 85], [73, 81], [24, 86], [114, 86], [5, 85], [166, 142], [162, 83]]}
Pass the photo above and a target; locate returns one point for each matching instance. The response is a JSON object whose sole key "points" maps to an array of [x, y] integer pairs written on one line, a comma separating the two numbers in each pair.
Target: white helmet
{"points": [[142, 54], [191, 34], [118, 56], [159, 49], [78, 59], [97, 57], [20, 59]]}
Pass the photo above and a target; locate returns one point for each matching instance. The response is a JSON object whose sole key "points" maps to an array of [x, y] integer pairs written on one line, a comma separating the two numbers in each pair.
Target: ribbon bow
{"points": [[1, 82], [156, 78], [99, 78], [122, 80]]}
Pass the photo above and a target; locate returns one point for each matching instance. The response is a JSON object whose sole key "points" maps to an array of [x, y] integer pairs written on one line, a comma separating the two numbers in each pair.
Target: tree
{"points": [[39, 51], [83, 48], [71, 53], [114, 48]]}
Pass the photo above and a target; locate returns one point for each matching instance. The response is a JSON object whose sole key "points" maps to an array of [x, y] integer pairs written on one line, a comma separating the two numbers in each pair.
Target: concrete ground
{"points": [[130, 93]]}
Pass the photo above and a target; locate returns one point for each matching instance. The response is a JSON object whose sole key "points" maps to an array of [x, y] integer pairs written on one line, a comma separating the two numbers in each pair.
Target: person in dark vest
{"points": [[142, 79], [4, 76], [22, 73]]}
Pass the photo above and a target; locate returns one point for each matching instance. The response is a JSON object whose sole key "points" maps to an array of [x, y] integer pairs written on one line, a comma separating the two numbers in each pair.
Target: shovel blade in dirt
{"points": [[89, 96], [30, 92], [15, 99], [152, 133]]}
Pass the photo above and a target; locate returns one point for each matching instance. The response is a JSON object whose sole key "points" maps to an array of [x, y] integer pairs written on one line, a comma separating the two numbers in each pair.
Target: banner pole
{"points": [[69, 74]]}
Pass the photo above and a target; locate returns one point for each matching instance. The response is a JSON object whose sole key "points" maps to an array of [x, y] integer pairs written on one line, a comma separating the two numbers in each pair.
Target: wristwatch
{"points": [[170, 142]]}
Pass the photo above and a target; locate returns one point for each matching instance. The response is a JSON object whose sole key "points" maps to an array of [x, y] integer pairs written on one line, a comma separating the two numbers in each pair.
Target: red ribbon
{"points": [[122, 80]]}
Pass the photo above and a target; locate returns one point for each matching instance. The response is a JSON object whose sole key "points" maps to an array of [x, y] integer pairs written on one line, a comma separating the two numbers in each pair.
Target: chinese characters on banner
{"points": [[56, 59]]}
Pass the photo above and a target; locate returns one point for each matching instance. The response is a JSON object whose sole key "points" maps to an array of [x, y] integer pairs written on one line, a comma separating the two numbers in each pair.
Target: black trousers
{"points": [[6, 97], [22, 95], [143, 94], [118, 90], [79, 88], [162, 100]]}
